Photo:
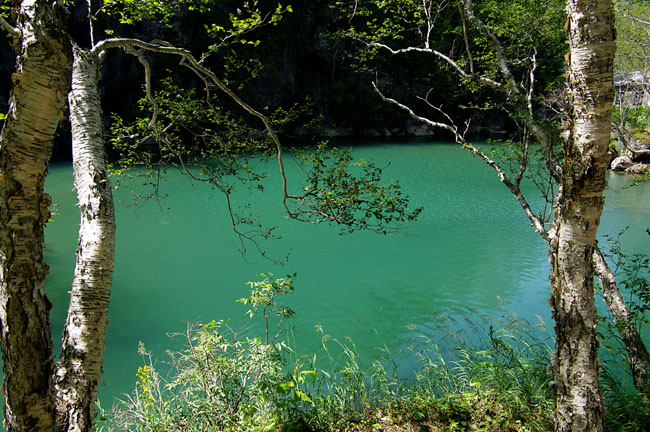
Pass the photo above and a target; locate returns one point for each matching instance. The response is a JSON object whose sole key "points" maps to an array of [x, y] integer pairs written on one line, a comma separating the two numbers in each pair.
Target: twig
{"points": [[163, 47], [460, 139], [469, 52]]}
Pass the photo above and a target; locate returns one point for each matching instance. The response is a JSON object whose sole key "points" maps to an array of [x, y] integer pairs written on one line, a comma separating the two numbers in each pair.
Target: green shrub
{"points": [[489, 375], [220, 381]]}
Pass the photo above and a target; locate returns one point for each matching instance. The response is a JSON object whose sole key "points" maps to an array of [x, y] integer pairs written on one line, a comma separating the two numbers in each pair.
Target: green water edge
{"points": [[471, 251]]}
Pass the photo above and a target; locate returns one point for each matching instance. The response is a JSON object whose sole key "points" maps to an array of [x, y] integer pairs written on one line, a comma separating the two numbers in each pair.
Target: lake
{"points": [[177, 260]]}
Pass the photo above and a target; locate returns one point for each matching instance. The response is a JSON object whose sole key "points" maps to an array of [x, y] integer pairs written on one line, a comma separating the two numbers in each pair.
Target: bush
{"points": [[491, 376]]}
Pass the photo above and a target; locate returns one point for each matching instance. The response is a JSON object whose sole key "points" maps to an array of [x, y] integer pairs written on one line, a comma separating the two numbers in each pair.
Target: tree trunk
{"points": [[574, 367], [80, 365], [40, 84], [637, 354]]}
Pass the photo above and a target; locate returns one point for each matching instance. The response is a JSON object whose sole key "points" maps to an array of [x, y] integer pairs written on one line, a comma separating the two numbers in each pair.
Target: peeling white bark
{"points": [[40, 84], [638, 357], [80, 365], [574, 367]]}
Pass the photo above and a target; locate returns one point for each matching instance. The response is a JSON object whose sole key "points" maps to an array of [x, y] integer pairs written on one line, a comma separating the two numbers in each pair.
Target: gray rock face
{"points": [[627, 165], [622, 163], [635, 154]]}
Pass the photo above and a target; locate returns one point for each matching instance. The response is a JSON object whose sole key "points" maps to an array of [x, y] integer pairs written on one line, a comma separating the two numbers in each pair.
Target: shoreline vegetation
{"points": [[481, 373]]}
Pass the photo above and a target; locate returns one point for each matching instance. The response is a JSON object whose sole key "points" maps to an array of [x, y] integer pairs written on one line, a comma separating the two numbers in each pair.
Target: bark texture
{"points": [[574, 367], [40, 85], [80, 365], [637, 353]]}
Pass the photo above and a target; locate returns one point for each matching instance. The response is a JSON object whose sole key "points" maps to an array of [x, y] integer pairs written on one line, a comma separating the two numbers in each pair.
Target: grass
{"points": [[477, 374]]}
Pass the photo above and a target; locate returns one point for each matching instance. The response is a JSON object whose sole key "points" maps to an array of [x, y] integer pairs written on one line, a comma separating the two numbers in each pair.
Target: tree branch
{"points": [[147, 85], [466, 37], [9, 28], [513, 91], [482, 79], [633, 18], [166, 48], [460, 139], [638, 357]]}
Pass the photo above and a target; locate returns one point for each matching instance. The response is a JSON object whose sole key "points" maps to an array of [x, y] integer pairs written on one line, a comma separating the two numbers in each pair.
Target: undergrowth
{"points": [[488, 374]]}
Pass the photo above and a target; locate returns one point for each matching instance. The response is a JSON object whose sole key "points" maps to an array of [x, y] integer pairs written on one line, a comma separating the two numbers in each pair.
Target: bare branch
{"points": [[147, 84], [523, 163], [633, 18], [165, 48], [460, 139], [482, 79], [467, 49], [425, 120], [9, 28], [531, 83], [91, 24]]}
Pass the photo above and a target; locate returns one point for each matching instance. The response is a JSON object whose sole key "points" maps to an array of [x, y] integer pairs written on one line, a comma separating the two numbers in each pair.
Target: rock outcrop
{"points": [[635, 153]]}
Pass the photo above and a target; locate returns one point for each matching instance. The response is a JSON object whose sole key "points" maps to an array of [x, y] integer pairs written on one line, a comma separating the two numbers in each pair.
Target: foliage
{"points": [[623, 401], [495, 380], [201, 137], [220, 381], [633, 275], [632, 35], [131, 11], [209, 144], [263, 295], [527, 29], [349, 193], [243, 21], [631, 118], [635, 117]]}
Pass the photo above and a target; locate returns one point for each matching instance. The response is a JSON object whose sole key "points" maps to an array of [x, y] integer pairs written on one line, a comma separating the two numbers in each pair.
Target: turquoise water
{"points": [[178, 260]]}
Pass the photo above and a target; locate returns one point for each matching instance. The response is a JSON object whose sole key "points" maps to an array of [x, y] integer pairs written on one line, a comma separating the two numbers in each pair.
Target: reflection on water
{"points": [[178, 261]]}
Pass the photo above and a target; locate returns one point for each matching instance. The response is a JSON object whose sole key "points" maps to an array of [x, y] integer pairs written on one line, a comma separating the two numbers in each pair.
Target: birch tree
{"points": [[590, 96], [79, 368], [38, 394], [480, 58], [40, 85]]}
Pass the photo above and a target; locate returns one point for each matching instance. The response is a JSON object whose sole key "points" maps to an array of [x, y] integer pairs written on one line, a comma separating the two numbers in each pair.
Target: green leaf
{"points": [[304, 396]]}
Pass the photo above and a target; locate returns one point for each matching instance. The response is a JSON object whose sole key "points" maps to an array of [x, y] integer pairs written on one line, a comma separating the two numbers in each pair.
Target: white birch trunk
{"points": [[574, 367], [80, 365], [40, 84]]}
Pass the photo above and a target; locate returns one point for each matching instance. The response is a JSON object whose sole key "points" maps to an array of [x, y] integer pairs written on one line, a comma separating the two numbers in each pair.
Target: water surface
{"points": [[178, 260]]}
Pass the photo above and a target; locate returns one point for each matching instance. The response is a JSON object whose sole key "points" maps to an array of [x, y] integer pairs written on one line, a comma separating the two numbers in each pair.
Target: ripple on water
{"points": [[471, 247]]}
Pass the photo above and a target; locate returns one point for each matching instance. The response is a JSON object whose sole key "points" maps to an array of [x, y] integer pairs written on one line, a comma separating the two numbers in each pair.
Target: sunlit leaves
{"points": [[349, 193], [191, 132], [5, 8], [263, 295], [132, 11], [244, 20], [264, 292]]}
